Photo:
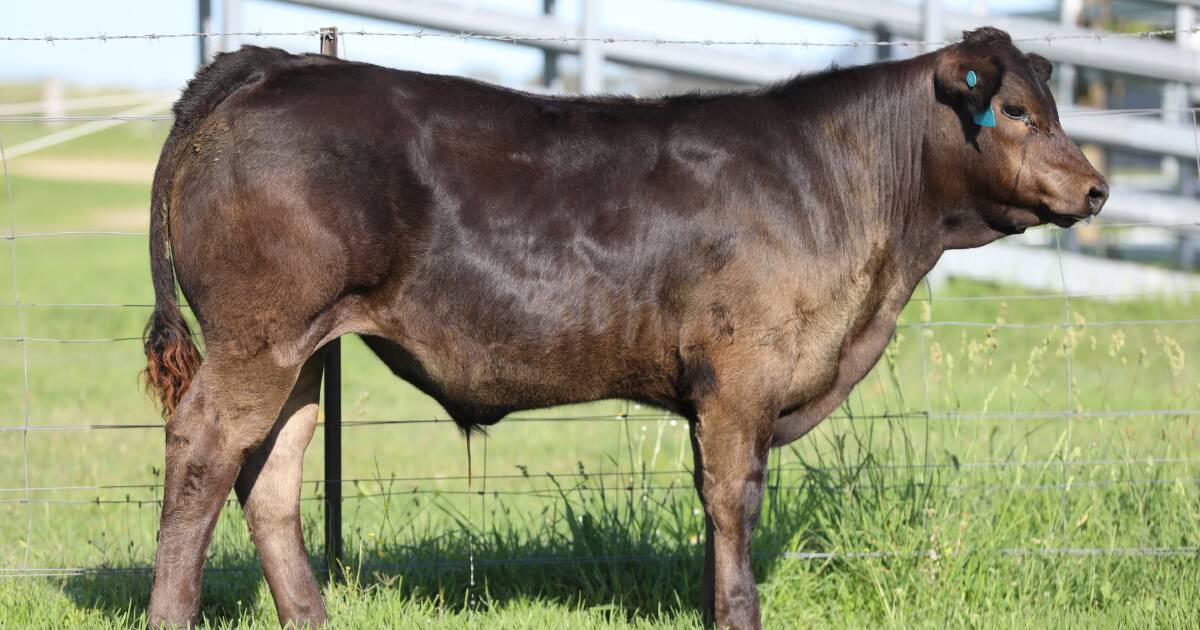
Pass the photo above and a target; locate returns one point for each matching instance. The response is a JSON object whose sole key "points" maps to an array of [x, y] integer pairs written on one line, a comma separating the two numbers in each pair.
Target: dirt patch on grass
{"points": [[116, 170]]}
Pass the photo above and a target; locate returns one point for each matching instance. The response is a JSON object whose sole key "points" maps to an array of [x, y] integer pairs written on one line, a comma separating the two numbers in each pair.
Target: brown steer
{"points": [[737, 258]]}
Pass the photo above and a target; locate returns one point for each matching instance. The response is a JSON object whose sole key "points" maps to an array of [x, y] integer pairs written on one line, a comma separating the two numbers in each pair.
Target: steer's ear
{"points": [[1041, 66], [968, 76]]}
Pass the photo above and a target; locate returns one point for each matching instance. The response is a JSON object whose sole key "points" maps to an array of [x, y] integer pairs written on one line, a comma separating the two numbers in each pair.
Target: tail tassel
{"points": [[172, 360]]}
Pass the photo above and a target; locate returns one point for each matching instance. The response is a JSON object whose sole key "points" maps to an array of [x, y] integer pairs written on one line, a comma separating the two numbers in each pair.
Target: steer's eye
{"points": [[1015, 112]]}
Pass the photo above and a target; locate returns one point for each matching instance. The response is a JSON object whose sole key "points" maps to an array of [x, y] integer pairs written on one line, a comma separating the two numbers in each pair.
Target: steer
{"points": [[737, 258]]}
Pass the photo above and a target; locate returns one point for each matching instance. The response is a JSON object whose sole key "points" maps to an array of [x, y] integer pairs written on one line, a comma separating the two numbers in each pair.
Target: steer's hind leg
{"points": [[228, 411], [731, 440], [706, 581], [269, 489]]}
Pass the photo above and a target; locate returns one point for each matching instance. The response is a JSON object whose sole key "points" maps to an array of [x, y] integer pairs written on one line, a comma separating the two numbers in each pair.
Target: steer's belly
{"points": [[481, 363]]}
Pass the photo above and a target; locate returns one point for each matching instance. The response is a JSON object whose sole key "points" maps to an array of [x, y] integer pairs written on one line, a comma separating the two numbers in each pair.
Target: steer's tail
{"points": [[171, 356]]}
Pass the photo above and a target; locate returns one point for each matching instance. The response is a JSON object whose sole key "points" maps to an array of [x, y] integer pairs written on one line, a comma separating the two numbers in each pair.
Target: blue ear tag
{"points": [[985, 118]]}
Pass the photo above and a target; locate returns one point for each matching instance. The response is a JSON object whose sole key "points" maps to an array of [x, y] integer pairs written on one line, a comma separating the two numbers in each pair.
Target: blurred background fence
{"points": [[1038, 399]]}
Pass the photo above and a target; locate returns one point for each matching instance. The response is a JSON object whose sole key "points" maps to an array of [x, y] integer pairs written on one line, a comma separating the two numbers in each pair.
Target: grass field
{"points": [[961, 514]]}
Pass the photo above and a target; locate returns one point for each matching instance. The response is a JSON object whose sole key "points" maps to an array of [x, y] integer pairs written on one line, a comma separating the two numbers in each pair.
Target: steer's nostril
{"points": [[1097, 195]]}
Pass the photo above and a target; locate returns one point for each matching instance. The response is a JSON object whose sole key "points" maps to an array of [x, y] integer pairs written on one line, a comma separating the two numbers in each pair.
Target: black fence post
{"points": [[333, 458], [333, 417]]}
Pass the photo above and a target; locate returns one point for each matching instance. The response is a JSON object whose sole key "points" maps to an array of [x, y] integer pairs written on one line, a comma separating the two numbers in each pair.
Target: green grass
{"points": [[615, 486]]}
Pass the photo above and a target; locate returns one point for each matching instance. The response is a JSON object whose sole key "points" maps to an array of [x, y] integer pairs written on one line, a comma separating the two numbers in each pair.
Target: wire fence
{"points": [[1064, 331], [657, 41]]}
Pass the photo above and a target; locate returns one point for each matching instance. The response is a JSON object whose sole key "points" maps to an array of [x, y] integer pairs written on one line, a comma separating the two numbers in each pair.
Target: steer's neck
{"points": [[862, 136]]}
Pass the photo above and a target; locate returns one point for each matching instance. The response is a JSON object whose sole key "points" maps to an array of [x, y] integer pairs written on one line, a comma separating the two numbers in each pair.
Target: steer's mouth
{"points": [[1062, 219], [1017, 219]]}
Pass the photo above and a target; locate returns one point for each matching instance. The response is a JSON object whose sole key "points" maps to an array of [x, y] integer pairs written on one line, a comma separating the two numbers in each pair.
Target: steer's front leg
{"points": [[730, 441]]}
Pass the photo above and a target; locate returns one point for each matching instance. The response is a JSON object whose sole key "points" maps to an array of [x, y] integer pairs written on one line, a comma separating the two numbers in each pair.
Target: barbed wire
{"points": [[614, 39]]}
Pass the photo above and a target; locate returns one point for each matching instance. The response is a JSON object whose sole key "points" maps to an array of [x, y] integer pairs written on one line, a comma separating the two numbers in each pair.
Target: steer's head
{"points": [[1021, 172]]}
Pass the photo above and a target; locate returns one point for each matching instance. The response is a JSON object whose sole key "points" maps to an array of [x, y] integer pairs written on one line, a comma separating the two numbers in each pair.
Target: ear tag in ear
{"points": [[985, 118]]}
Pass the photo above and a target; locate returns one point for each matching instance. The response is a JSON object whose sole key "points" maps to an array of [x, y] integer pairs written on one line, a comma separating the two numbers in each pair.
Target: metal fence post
{"points": [[231, 22], [932, 25], [203, 25], [333, 416], [591, 51], [549, 57]]}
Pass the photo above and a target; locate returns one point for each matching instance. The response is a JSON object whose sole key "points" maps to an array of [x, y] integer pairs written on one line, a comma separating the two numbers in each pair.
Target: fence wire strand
{"points": [[1071, 113], [956, 416], [26, 397], [1068, 341], [613, 39], [801, 467]]}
